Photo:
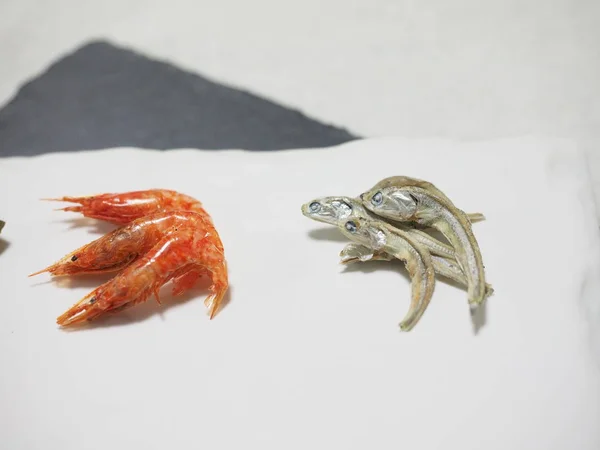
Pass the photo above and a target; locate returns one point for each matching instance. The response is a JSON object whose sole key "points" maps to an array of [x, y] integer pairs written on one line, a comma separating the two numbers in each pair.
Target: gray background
{"points": [[102, 96]]}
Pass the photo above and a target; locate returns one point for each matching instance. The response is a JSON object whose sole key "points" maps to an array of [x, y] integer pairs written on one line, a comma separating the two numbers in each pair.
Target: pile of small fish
{"points": [[391, 220]]}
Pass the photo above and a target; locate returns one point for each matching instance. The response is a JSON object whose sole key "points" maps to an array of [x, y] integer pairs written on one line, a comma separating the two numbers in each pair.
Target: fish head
{"points": [[390, 202], [332, 210], [369, 233]]}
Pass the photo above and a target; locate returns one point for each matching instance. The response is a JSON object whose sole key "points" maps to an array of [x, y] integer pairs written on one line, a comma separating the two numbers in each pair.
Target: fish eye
{"points": [[314, 207], [377, 198], [350, 226]]}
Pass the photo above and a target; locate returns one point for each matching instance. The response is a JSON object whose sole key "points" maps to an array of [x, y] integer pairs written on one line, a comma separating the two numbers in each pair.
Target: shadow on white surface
{"points": [[96, 226], [377, 266], [479, 317], [4, 244], [327, 234]]}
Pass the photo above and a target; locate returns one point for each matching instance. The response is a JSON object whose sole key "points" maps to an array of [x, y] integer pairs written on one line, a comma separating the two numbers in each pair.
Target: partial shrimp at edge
{"points": [[122, 208]]}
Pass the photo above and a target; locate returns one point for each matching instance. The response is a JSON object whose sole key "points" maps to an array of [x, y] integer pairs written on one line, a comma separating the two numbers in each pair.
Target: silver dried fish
{"points": [[406, 199]]}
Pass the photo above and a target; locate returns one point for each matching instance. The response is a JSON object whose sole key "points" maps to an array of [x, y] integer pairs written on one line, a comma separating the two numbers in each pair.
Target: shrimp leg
{"points": [[187, 279]]}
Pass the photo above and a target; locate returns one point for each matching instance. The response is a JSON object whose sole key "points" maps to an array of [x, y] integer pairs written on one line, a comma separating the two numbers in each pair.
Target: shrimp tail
{"points": [[214, 302]]}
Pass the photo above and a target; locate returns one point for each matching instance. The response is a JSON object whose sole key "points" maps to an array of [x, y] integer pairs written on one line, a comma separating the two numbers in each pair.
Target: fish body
{"points": [[406, 199], [401, 245]]}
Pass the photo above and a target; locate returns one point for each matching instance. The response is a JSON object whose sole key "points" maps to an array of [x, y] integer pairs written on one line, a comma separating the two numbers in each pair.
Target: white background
{"points": [[307, 355]]}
